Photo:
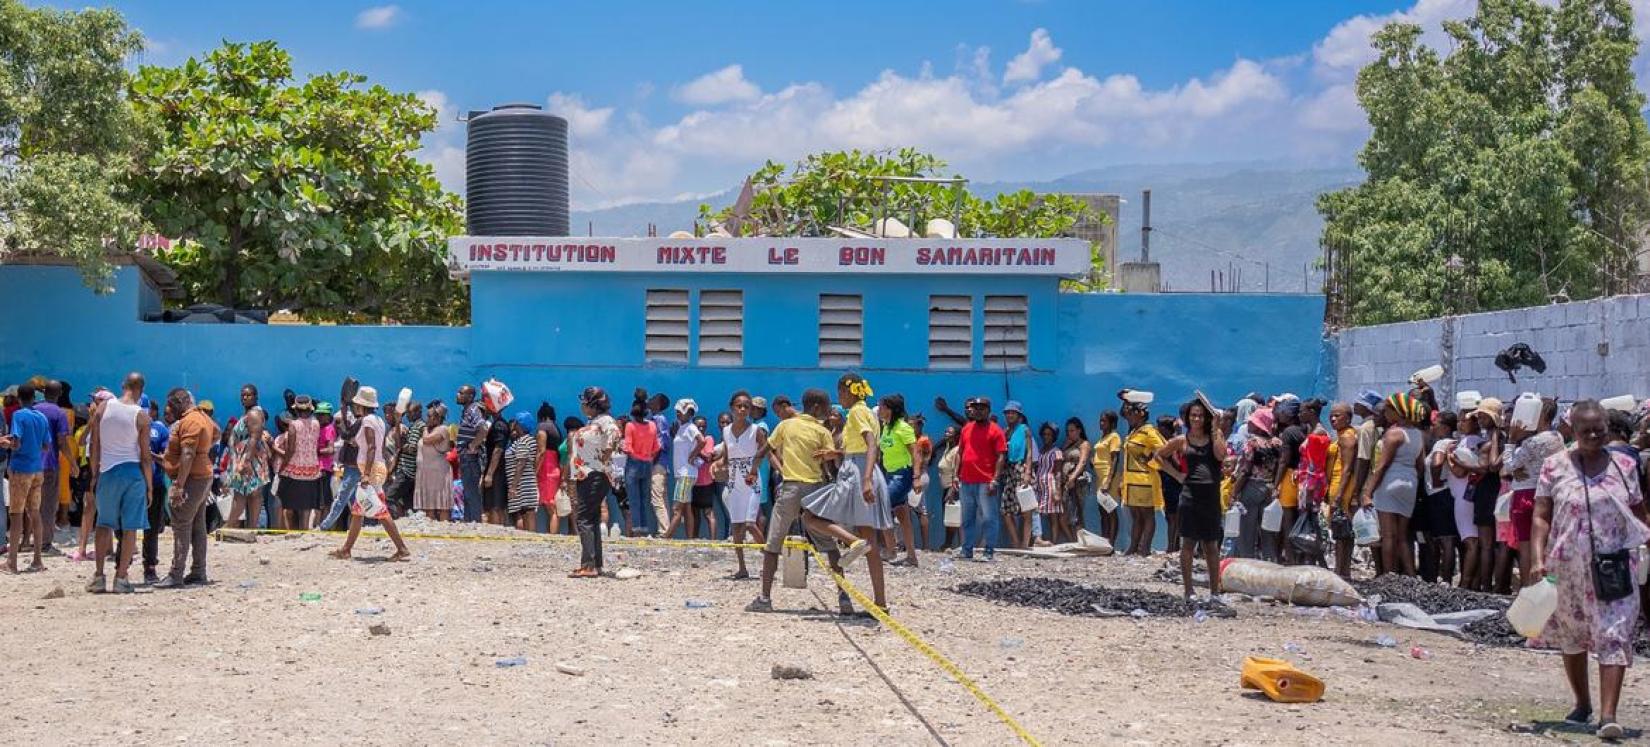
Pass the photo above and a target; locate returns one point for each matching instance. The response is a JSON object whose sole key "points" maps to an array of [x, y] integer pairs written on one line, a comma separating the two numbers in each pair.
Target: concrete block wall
{"points": [[1593, 349]]}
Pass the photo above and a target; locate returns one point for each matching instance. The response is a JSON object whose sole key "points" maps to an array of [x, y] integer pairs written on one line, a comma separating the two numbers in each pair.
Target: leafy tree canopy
{"points": [[303, 196], [1509, 172], [854, 189], [66, 135]]}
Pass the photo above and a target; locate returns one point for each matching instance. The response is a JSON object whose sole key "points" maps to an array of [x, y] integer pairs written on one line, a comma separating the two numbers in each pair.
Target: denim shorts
{"points": [[123, 498], [899, 487]]}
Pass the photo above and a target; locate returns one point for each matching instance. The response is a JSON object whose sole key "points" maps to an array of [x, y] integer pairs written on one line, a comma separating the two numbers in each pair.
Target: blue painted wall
{"points": [[550, 334]]}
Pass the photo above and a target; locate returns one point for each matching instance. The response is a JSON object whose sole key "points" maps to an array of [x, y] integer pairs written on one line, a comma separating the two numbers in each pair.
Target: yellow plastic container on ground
{"points": [[1281, 681]]}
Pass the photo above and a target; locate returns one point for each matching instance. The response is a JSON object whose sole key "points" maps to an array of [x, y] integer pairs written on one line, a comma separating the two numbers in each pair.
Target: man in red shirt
{"points": [[981, 461]]}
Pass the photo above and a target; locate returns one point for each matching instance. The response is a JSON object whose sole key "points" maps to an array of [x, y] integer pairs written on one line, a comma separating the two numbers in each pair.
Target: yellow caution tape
{"points": [[928, 650], [910, 637]]}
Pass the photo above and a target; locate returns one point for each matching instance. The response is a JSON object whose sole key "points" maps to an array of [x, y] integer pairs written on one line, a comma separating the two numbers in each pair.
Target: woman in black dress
{"points": [[1203, 448]]}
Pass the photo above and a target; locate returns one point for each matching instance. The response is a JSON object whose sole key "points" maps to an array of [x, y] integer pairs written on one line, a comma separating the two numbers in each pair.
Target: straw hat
{"points": [[1489, 406]]}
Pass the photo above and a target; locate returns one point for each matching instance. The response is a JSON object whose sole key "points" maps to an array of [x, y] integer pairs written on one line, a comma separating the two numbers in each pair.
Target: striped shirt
{"points": [[469, 424], [524, 490]]}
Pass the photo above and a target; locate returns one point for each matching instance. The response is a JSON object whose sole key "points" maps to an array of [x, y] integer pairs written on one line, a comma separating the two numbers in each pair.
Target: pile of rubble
{"points": [[1070, 598]]}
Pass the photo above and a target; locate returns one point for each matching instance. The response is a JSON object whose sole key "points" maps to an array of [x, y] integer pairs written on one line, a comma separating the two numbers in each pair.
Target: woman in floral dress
{"points": [[249, 460], [1586, 505]]}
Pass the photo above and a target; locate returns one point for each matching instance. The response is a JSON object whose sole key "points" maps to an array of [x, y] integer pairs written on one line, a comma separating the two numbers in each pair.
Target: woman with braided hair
{"points": [[1392, 486]]}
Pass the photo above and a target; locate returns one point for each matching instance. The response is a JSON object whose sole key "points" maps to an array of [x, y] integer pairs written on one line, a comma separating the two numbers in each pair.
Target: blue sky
{"points": [[668, 99]]}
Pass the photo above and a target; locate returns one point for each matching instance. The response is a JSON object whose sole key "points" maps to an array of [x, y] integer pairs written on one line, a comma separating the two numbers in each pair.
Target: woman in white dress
{"points": [[743, 447]]}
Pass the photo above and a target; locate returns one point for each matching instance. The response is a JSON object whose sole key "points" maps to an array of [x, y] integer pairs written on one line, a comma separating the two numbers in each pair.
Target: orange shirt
{"points": [[196, 430]]}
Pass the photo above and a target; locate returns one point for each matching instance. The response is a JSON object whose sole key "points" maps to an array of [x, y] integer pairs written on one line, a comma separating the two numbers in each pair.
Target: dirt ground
{"points": [[246, 661]]}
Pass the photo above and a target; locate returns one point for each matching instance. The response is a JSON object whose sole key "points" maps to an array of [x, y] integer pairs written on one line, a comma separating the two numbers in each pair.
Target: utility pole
{"points": [[1145, 225], [1268, 277]]}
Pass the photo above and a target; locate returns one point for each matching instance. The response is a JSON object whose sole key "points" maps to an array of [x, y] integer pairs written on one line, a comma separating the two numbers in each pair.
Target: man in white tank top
{"points": [[121, 470]]}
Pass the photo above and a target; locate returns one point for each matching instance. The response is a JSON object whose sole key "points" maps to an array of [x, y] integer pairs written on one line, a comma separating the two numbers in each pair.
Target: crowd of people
{"points": [[1469, 495], [1480, 495]]}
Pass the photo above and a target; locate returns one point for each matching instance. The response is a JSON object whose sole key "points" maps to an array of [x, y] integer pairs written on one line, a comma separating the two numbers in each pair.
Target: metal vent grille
{"points": [[667, 326], [950, 332], [841, 330], [721, 328], [1005, 332]]}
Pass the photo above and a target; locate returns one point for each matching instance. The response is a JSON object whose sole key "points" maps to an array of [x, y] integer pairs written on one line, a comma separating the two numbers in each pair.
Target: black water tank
{"points": [[515, 171]]}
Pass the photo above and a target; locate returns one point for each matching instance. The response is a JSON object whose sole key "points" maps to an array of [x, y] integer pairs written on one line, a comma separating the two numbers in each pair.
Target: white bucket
{"points": [[1534, 606], [1107, 503], [1527, 409], [1026, 497], [795, 572], [1271, 519], [1619, 403], [1467, 401], [953, 515], [1234, 520], [1428, 375]]}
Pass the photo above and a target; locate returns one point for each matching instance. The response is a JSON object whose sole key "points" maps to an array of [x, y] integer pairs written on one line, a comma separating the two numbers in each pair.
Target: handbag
{"points": [[1612, 571], [1340, 524]]}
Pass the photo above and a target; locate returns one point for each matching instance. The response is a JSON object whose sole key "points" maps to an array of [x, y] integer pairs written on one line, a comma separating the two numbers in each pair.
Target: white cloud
{"points": [[378, 17], [1034, 118], [719, 87], [582, 121], [1346, 47], [1334, 109], [1028, 65]]}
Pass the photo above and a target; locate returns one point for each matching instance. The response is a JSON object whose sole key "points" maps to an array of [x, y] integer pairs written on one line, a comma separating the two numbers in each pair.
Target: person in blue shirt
{"points": [[32, 435]]}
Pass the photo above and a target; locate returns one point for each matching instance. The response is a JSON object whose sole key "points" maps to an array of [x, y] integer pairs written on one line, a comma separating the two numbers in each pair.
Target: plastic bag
{"points": [[495, 395], [1306, 537], [1366, 527], [1503, 507]]}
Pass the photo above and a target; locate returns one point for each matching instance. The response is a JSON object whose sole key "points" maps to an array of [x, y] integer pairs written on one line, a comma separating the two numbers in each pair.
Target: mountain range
{"points": [[1252, 222]]}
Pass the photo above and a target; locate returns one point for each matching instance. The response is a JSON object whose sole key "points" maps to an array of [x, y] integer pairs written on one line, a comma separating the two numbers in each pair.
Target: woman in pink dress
{"points": [[1587, 506]]}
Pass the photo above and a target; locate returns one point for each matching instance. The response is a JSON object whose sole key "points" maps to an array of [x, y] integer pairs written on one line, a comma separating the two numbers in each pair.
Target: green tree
{"points": [[1508, 173], [302, 196], [854, 189], [66, 135]]}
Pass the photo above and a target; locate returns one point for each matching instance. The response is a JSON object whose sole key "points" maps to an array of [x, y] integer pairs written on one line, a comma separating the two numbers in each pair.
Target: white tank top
{"points": [[117, 435]]}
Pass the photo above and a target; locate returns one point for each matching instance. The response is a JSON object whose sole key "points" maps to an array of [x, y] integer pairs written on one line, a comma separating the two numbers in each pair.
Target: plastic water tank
{"points": [[515, 170]]}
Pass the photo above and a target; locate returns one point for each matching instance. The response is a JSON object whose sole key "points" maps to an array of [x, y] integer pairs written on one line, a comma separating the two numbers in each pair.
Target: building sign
{"points": [[1064, 257]]}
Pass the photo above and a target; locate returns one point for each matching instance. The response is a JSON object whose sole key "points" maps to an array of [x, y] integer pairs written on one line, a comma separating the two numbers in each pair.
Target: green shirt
{"points": [[895, 446]]}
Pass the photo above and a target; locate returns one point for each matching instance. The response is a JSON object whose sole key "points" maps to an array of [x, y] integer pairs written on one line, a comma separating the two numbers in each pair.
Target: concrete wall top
{"points": [[550, 334]]}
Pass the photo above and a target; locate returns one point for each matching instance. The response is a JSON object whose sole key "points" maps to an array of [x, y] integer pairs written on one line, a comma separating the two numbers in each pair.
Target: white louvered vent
{"points": [[1006, 343], [841, 330], [950, 332], [667, 326], [721, 328]]}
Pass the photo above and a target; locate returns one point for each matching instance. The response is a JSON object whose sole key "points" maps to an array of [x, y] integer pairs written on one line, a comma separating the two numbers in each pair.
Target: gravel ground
{"points": [[247, 660]]}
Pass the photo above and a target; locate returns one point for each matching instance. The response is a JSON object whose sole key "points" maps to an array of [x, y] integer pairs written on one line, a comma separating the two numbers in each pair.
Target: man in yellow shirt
{"points": [[797, 450]]}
